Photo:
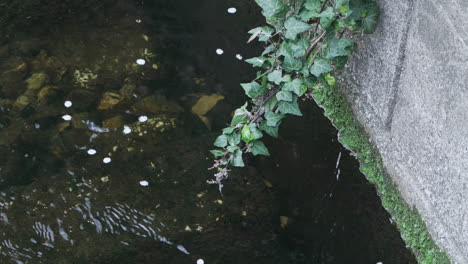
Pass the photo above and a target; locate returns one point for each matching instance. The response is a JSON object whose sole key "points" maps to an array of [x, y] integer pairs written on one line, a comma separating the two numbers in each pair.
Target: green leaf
{"points": [[273, 118], [275, 76], [232, 148], [234, 139], [270, 130], [270, 7], [319, 67], [284, 96], [291, 64], [263, 33], [253, 89], [289, 108], [258, 148], [240, 115], [217, 153], [340, 61], [269, 49], [228, 130], [255, 131], [294, 27], [330, 79], [247, 136], [327, 17], [270, 104], [306, 15], [237, 159], [239, 119], [297, 51], [312, 4], [294, 86], [369, 22], [221, 141], [338, 47], [256, 61]]}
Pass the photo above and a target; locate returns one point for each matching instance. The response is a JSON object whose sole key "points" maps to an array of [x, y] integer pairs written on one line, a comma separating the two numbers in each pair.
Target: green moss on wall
{"points": [[352, 136]]}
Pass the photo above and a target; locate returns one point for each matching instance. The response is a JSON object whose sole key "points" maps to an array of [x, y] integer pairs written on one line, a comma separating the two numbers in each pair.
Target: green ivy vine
{"points": [[305, 42]]}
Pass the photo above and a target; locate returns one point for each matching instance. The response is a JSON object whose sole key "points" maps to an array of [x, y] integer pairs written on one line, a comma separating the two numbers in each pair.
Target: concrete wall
{"points": [[408, 87]]}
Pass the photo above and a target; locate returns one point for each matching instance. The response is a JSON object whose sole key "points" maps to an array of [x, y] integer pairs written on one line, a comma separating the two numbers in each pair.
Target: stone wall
{"points": [[408, 87]]}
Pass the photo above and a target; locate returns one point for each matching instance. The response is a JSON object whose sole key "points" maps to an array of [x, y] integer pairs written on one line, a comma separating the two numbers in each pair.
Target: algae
{"points": [[353, 137]]}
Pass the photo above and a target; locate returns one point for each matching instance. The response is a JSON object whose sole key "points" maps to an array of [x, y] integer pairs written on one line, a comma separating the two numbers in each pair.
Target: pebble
{"points": [[68, 104], [219, 51], [67, 117], [140, 62], [200, 261], [106, 160], [232, 10], [239, 57]]}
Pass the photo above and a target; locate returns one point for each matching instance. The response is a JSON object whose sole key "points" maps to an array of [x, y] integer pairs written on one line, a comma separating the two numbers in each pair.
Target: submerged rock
{"points": [[156, 104], [36, 81], [46, 94], [109, 100], [114, 122]]}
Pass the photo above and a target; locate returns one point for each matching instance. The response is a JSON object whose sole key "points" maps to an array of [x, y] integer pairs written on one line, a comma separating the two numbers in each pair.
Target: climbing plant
{"points": [[305, 42]]}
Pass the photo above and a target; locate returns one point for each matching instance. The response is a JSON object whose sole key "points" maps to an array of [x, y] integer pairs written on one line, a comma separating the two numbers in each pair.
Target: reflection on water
{"points": [[107, 112]]}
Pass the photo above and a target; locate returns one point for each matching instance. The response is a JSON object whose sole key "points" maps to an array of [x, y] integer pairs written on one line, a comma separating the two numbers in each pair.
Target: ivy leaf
{"points": [[269, 49], [294, 27], [263, 33], [369, 22], [291, 64], [319, 67], [270, 104], [289, 108], [247, 136], [284, 96], [327, 17], [217, 153], [258, 148], [312, 5], [234, 139], [275, 76], [228, 130], [270, 7], [330, 79], [340, 61], [272, 118], [232, 148], [240, 115], [338, 47], [239, 119], [253, 89], [221, 141], [341, 2], [255, 131], [270, 130], [294, 86], [237, 159], [256, 61], [297, 51], [306, 15]]}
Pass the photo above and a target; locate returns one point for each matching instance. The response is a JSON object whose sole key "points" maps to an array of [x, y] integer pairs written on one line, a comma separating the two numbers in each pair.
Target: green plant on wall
{"points": [[305, 42]]}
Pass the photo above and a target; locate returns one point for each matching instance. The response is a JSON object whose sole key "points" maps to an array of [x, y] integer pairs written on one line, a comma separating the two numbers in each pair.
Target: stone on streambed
{"points": [[156, 104], [46, 94], [36, 81], [109, 100], [114, 122]]}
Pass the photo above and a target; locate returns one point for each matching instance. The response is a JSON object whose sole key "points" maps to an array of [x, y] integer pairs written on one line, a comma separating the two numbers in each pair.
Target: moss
{"points": [[351, 134]]}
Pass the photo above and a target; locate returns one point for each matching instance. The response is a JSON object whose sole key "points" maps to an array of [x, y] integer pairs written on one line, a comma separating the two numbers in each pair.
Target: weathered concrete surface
{"points": [[409, 89]]}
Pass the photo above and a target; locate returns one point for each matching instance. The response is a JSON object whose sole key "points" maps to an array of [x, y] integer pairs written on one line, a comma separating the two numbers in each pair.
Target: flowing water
{"points": [[103, 157]]}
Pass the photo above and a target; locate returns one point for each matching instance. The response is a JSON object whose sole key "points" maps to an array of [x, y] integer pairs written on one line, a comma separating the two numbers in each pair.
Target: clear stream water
{"points": [[102, 159]]}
